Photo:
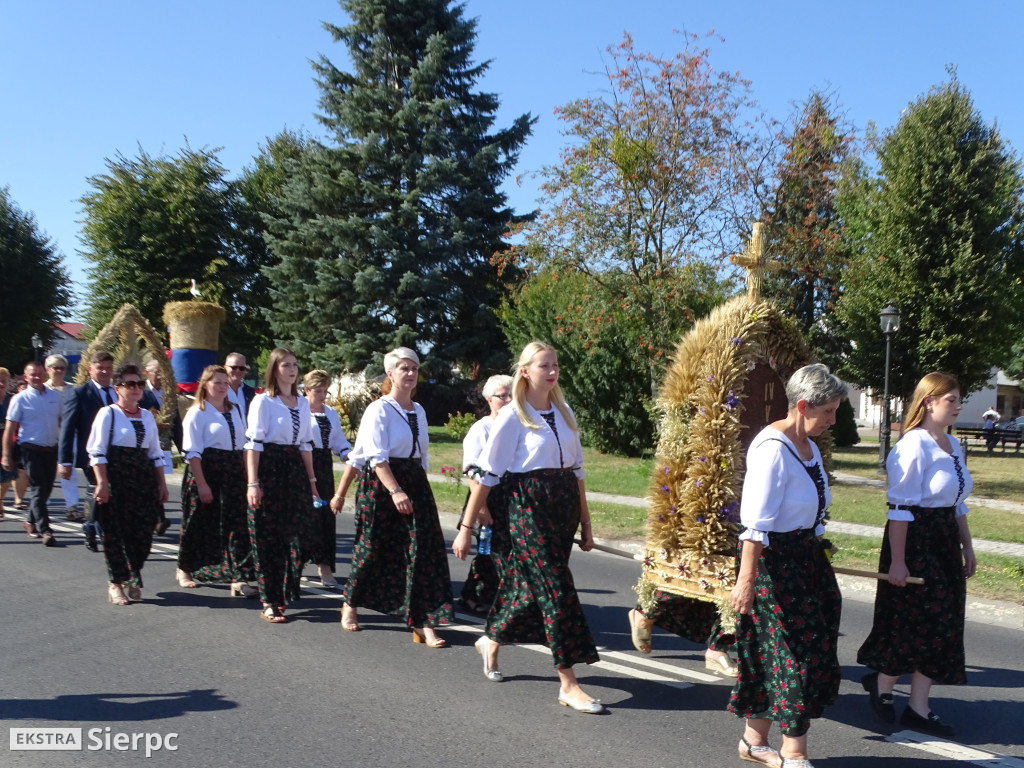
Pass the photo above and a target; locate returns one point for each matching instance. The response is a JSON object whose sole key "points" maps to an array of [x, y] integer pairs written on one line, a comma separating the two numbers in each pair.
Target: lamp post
{"points": [[37, 345], [890, 321]]}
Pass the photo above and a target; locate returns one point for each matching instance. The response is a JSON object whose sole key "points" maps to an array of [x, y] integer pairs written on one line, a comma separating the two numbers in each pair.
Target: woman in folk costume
{"points": [[281, 484], [481, 585], [318, 529], [537, 442], [919, 630], [124, 451], [786, 592], [215, 545], [399, 563]]}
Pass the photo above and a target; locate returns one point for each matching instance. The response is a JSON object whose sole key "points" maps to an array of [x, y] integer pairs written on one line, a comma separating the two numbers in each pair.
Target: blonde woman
{"points": [[215, 545], [399, 565], [318, 531], [919, 630], [537, 442], [279, 464]]}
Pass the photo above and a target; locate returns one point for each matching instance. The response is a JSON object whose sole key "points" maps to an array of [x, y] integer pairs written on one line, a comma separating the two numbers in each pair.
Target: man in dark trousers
{"points": [[34, 417], [79, 412]]}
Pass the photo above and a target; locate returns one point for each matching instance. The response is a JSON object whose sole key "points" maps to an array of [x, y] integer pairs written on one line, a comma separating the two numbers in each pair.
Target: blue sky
{"points": [[84, 81]]}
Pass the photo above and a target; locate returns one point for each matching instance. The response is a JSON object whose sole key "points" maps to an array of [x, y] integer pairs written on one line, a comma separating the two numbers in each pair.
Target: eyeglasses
{"points": [[57, 368], [503, 395], [131, 384], [236, 367]]}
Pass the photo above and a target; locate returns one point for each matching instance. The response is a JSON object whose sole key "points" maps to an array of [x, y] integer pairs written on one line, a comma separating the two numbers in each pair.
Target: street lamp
{"points": [[890, 321], [37, 345]]}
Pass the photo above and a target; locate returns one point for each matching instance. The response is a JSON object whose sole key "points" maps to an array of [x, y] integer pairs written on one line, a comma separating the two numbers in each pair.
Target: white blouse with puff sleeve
{"points": [[921, 474], [271, 421], [385, 433], [112, 427], [208, 428], [778, 494], [474, 442], [339, 444], [513, 447]]}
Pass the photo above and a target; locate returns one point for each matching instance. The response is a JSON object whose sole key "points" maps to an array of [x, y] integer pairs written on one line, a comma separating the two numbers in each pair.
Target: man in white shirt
{"points": [[238, 391], [34, 416]]}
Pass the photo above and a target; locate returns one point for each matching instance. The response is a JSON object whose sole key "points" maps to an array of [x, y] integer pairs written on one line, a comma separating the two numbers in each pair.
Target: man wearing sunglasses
{"points": [[34, 416], [239, 392], [79, 411]]}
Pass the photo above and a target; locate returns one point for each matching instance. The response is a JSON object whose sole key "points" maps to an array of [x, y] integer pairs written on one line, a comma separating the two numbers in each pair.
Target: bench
{"points": [[1005, 432]]}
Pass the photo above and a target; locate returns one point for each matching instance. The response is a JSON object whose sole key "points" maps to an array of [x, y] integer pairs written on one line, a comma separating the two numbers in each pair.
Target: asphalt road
{"points": [[238, 691]]}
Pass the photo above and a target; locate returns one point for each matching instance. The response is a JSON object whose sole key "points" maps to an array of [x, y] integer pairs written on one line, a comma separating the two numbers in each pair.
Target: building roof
{"points": [[74, 330]]}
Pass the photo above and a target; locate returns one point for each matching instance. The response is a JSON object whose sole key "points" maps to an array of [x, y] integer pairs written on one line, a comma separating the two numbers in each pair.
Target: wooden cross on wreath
{"points": [[751, 259]]}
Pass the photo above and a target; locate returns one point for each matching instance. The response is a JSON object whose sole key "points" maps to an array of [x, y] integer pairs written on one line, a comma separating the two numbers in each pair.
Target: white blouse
{"points": [[384, 432], [512, 447], [123, 435], [208, 428], [778, 494], [921, 474], [474, 441], [339, 444], [270, 421]]}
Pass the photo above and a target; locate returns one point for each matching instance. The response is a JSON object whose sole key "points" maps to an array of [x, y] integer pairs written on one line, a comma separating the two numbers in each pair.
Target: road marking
{"points": [[953, 751]]}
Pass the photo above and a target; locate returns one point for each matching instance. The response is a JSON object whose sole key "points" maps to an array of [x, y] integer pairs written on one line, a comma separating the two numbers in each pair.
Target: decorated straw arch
{"points": [[726, 382]]}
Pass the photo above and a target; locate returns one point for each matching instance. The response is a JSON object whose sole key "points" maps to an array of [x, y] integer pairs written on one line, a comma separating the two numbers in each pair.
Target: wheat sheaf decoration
{"points": [[725, 383], [131, 339]]}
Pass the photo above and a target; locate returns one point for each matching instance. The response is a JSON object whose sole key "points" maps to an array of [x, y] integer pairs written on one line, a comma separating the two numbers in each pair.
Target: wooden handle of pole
{"points": [[874, 575]]}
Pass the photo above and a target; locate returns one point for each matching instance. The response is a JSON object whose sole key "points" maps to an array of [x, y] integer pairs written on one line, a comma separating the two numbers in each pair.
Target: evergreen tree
{"points": [[938, 233], [804, 227], [387, 235], [34, 287]]}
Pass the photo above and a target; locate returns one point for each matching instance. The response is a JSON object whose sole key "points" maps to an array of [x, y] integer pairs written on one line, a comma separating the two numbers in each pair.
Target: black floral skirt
{"points": [[274, 524], [131, 514], [786, 647], [537, 600], [400, 562], [215, 545], [920, 628], [692, 619], [481, 585], [317, 531]]}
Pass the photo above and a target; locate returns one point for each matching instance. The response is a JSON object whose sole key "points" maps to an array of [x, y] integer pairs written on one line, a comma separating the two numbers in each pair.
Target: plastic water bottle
{"points": [[318, 502], [483, 545]]}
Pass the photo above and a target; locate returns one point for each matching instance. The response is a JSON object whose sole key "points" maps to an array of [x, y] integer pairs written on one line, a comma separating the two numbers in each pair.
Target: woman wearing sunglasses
{"points": [[124, 451]]}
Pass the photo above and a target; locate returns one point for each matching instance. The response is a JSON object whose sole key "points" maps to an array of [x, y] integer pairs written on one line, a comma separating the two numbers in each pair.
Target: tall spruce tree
{"points": [[804, 227], [938, 233], [387, 235]]}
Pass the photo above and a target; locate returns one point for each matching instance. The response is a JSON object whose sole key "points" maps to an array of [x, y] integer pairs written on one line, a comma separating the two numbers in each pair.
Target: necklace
{"points": [[130, 414]]}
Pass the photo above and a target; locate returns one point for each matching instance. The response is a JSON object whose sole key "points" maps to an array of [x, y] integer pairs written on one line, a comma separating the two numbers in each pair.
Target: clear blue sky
{"points": [[84, 81]]}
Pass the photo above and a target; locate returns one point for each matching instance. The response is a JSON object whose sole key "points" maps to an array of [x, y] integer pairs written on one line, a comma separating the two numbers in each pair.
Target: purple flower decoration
{"points": [[711, 377], [728, 512], [736, 341], [731, 401], [666, 470], [698, 482], [700, 518], [661, 518], [664, 488], [703, 459], [672, 509]]}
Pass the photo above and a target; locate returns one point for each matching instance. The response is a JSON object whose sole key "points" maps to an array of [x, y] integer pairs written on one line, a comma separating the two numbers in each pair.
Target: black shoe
{"points": [[49, 540], [90, 539], [930, 724], [881, 703], [162, 526]]}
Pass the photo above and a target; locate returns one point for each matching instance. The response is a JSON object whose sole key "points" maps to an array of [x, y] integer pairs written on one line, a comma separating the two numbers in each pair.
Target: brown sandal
{"points": [[419, 636]]}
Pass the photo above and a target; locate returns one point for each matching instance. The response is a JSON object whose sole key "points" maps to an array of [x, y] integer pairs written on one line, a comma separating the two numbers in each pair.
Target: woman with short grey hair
{"points": [[399, 562], [786, 592]]}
